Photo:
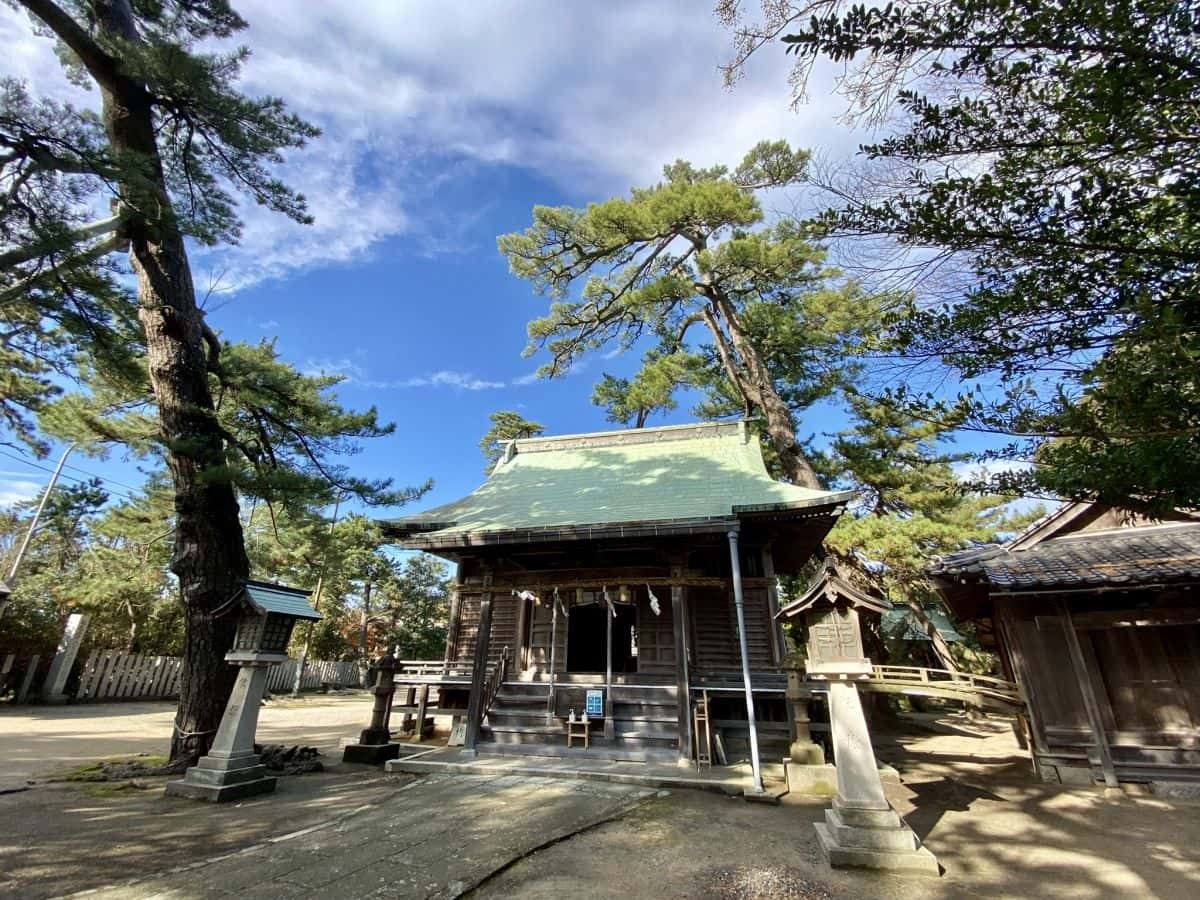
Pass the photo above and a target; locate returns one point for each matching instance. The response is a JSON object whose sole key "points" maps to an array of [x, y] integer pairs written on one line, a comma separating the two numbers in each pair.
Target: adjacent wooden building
{"points": [[620, 562], [1095, 613]]}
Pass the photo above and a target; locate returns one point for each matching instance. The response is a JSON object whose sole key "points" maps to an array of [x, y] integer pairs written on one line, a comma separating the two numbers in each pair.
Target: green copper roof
{"points": [[671, 474], [275, 598], [901, 624]]}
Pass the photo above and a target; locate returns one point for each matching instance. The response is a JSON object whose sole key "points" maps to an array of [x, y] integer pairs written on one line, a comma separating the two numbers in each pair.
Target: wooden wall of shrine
{"points": [[1141, 653], [701, 572]]}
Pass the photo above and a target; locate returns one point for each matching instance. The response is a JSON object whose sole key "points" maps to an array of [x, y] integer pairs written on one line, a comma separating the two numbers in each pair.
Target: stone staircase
{"points": [[645, 720]]}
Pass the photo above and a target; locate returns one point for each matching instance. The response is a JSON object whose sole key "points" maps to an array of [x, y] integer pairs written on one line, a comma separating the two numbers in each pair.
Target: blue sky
{"points": [[444, 125]]}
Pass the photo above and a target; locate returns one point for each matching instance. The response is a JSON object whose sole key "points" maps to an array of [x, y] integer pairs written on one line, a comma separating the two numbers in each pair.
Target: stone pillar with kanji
{"points": [[862, 829]]}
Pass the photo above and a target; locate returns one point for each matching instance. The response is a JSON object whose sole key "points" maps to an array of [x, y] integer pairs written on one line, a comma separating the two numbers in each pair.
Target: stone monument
{"points": [[231, 770]]}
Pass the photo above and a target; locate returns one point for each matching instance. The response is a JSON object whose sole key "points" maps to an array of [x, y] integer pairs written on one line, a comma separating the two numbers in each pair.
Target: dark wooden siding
{"points": [[1146, 680], [714, 638], [504, 627]]}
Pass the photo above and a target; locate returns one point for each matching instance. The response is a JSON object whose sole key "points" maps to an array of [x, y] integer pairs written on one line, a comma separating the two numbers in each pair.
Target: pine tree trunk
{"points": [[753, 380], [209, 558]]}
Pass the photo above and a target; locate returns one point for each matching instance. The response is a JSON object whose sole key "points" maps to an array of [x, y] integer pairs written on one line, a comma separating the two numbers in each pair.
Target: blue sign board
{"points": [[595, 703]]}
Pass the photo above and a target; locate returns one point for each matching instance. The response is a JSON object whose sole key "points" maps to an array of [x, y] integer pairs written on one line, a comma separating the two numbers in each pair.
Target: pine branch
{"points": [[99, 64]]}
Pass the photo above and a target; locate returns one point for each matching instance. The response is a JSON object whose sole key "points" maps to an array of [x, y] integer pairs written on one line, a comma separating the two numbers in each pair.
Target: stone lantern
{"points": [[861, 829], [266, 613]]}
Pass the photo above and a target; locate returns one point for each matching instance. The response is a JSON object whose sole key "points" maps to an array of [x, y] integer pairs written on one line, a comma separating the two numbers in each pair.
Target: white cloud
{"points": [[15, 490], [268, 325], [446, 378], [356, 374], [415, 96], [986, 470], [347, 368], [528, 378]]}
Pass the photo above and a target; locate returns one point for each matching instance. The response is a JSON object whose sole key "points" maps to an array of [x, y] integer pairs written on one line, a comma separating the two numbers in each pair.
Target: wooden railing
{"points": [[945, 681], [494, 680]]}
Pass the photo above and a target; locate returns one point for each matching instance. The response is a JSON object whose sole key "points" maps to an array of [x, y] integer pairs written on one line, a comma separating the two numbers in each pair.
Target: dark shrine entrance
{"points": [[587, 639]]}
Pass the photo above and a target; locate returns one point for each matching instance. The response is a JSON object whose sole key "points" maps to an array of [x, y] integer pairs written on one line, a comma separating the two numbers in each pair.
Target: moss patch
{"points": [[117, 769]]}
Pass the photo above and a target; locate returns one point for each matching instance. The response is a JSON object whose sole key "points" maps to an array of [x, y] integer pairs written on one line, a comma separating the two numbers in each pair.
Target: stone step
{"points": [[597, 750]]}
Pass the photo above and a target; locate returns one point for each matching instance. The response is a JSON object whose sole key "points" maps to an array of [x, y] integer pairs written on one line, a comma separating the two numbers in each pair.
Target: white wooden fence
{"points": [[112, 674]]}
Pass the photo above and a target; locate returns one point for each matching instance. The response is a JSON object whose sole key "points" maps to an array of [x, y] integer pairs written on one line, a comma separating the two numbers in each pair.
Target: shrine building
{"points": [[607, 573], [1094, 612]]}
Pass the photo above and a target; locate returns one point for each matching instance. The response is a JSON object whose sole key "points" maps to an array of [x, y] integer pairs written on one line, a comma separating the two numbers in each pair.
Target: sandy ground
{"points": [[969, 794], [967, 791], [37, 741]]}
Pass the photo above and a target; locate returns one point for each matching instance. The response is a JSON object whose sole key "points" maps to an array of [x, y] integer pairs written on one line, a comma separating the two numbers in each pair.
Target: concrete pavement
{"points": [[438, 837]]}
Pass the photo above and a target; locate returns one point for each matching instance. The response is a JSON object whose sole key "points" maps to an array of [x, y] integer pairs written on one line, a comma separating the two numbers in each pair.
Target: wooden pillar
{"points": [[523, 610], [775, 625], [1090, 703], [682, 678], [479, 673], [739, 602], [455, 617], [422, 703], [553, 658], [610, 728]]}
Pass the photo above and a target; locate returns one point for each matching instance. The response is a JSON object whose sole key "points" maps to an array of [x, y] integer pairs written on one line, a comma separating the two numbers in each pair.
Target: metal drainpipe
{"points": [[740, 605]]}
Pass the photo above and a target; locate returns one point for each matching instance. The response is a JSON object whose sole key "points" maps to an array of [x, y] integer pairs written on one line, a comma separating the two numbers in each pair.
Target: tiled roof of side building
{"points": [[1127, 556], [675, 473]]}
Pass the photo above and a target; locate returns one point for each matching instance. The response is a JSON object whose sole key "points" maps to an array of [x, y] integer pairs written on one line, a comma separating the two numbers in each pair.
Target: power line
{"points": [[122, 494]]}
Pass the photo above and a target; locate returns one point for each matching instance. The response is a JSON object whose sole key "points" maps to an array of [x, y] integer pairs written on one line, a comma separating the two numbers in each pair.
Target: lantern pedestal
{"points": [[862, 829], [232, 770]]}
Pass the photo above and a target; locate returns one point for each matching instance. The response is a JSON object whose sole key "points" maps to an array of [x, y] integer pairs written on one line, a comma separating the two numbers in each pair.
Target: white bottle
{"points": [[571, 719]]}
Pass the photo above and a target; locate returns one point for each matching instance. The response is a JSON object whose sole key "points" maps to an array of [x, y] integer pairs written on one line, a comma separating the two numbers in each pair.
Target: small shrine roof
{"points": [[276, 598], [830, 586], [572, 485]]}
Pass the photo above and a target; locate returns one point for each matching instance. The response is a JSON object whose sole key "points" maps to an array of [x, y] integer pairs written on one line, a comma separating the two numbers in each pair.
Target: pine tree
{"points": [[173, 138], [506, 426], [912, 505], [694, 250], [1045, 151]]}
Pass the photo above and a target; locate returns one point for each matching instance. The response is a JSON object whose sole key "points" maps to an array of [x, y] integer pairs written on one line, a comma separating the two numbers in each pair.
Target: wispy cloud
{"points": [[463, 381], [528, 378], [14, 490], [268, 325], [356, 374], [592, 97], [347, 368]]}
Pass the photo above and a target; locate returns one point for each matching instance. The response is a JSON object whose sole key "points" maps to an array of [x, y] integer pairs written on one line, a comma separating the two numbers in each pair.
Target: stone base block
{"points": [[812, 781], [221, 778], [770, 796], [806, 753], [918, 861], [219, 793], [371, 754], [899, 837], [821, 781], [864, 817]]}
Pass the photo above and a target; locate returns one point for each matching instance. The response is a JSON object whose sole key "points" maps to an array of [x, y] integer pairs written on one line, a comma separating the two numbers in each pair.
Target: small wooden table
{"points": [[580, 728]]}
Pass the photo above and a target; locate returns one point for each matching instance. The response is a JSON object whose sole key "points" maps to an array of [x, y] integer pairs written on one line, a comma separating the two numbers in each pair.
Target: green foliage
{"points": [[419, 609], [652, 390], [62, 285], [506, 426], [110, 562], [1048, 150], [286, 434], [912, 506]]}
